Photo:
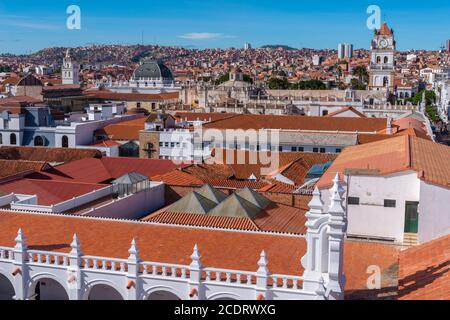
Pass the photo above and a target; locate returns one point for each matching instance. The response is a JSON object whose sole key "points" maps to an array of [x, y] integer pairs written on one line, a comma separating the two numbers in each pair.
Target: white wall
{"points": [[370, 218], [434, 211], [134, 206]]}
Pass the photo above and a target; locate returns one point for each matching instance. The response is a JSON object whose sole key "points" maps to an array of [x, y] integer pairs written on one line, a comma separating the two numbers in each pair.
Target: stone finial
{"points": [[20, 240], [316, 203], [336, 191], [195, 257], [337, 186], [75, 245], [262, 263], [133, 251]]}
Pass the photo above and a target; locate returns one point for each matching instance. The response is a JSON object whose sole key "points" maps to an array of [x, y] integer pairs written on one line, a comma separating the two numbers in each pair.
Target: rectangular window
{"points": [[172, 144], [301, 149], [353, 200], [322, 150], [280, 148], [388, 203], [338, 150], [294, 149], [160, 144], [315, 149]]}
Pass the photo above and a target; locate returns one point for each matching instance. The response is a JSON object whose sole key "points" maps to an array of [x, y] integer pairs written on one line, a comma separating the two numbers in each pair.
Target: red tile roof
{"points": [[424, 271], [247, 121], [178, 178], [275, 218], [202, 116], [18, 99], [401, 153], [99, 170], [49, 192], [362, 115], [127, 130], [169, 244], [294, 165], [47, 154], [12, 167]]}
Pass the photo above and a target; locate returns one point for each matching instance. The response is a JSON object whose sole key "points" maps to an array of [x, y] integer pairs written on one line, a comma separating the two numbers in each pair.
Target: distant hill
{"points": [[276, 46]]}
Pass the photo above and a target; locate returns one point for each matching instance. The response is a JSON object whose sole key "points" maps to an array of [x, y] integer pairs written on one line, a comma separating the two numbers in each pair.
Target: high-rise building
{"points": [[382, 64], [448, 45], [348, 50], [345, 50], [341, 51], [247, 46]]}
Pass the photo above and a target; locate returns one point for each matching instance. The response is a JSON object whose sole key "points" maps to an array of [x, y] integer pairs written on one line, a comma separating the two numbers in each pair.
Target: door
{"points": [[411, 217]]}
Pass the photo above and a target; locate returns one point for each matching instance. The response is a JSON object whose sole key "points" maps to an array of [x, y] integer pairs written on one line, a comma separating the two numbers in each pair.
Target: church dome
{"points": [[153, 69]]}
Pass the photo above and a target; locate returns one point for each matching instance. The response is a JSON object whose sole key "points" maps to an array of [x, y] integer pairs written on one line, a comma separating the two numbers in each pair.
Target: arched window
{"points": [[13, 139], [378, 59], [65, 142], [406, 95], [38, 141], [385, 81], [386, 59]]}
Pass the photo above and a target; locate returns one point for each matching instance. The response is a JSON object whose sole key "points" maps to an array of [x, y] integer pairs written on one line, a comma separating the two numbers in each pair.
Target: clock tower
{"points": [[382, 63]]}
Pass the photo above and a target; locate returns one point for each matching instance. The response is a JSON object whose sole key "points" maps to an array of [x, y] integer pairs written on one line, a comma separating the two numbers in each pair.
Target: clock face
{"points": [[383, 43]]}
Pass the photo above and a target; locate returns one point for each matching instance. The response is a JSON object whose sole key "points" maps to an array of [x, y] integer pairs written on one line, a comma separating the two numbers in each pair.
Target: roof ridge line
{"points": [[142, 222], [408, 152]]}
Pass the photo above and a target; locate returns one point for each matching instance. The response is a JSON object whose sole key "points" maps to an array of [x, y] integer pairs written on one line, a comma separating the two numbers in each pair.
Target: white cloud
{"points": [[27, 25], [201, 36]]}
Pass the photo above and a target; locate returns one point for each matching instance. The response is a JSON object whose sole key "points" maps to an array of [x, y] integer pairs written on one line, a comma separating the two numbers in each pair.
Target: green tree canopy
{"points": [[313, 84], [361, 73], [278, 83], [226, 77], [430, 97]]}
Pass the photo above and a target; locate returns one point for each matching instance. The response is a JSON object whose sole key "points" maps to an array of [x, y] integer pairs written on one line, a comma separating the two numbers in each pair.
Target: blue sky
{"points": [[30, 25]]}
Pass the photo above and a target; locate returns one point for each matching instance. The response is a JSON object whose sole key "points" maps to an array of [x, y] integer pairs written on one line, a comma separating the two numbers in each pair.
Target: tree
{"points": [[226, 77], [430, 97], [278, 83], [356, 84], [361, 73], [313, 84], [4, 68]]}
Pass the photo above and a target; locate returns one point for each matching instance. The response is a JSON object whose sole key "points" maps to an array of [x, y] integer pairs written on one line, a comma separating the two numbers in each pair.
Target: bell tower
{"points": [[382, 61], [70, 70]]}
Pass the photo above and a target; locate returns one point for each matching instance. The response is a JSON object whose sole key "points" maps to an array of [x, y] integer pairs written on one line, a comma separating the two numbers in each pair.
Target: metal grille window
{"points": [[388, 203], [353, 200]]}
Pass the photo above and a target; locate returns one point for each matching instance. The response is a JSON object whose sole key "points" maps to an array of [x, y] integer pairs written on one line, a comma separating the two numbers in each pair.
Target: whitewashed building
{"points": [[395, 189]]}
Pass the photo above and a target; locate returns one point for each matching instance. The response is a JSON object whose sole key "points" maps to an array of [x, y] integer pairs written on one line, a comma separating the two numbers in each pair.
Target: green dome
{"points": [[153, 69]]}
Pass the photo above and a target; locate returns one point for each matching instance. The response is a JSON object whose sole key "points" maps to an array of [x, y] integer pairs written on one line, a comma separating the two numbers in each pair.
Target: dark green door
{"points": [[411, 217]]}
